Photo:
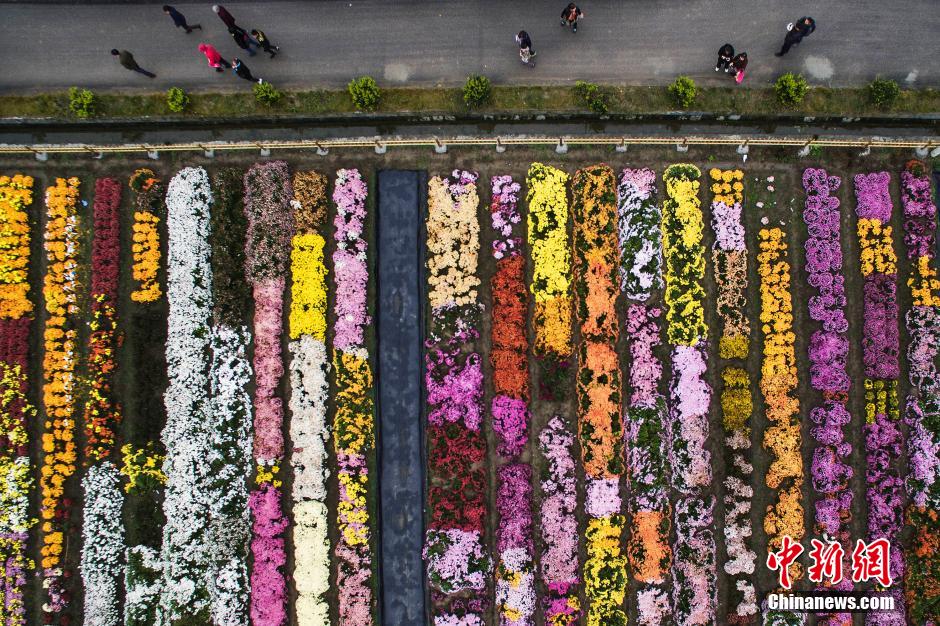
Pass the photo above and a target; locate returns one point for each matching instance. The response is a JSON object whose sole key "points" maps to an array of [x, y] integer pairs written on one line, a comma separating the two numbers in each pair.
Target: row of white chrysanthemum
{"points": [[200, 569], [309, 431]]}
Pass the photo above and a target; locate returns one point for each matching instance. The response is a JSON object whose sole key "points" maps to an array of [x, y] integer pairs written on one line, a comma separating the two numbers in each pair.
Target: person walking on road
{"points": [[725, 55], [266, 43], [224, 15], [127, 60], [179, 19], [241, 70], [242, 40], [796, 32], [212, 55], [525, 47], [738, 65], [570, 16]]}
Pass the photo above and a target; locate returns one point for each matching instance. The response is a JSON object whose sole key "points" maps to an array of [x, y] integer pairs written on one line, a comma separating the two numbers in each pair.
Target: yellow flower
{"points": [[778, 383], [15, 197], [146, 255], [308, 289], [551, 258], [877, 253], [684, 255], [605, 570], [143, 468], [353, 430]]}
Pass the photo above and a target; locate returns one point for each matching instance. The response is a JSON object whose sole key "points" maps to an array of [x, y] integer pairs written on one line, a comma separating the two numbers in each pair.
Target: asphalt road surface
{"points": [[410, 42]]}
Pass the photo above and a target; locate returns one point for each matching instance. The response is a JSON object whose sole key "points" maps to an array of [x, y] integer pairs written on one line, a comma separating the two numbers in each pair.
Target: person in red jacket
{"points": [[738, 65], [212, 55]]}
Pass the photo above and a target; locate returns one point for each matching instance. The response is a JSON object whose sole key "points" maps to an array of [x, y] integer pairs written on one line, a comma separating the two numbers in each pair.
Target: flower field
{"points": [[639, 379]]}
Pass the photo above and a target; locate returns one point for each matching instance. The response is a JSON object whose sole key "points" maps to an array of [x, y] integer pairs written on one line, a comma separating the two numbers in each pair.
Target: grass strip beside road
{"points": [[847, 102]]}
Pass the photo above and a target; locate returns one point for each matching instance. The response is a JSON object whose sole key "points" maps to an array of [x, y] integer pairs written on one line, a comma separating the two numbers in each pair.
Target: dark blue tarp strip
{"points": [[400, 224]]}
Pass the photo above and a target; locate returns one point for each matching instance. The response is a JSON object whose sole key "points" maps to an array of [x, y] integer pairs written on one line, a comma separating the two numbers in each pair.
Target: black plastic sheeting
{"points": [[400, 227]]}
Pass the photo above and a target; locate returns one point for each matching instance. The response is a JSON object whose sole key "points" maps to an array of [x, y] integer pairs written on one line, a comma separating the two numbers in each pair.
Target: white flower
{"points": [[516, 590], [309, 433], [639, 234], [308, 428], [102, 544], [207, 434]]}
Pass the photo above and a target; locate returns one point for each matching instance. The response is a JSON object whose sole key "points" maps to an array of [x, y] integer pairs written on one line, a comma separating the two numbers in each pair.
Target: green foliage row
{"points": [[82, 102], [790, 91], [176, 100], [883, 93], [477, 90], [365, 93], [592, 96], [684, 91]]}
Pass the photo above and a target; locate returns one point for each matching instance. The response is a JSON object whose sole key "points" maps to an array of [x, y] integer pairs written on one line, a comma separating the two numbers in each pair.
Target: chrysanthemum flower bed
{"points": [[729, 263], [828, 353], [778, 382], [572, 475], [922, 414], [457, 562], [61, 289], [881, 358], [600, 427], [16, 410], [694, 590]]}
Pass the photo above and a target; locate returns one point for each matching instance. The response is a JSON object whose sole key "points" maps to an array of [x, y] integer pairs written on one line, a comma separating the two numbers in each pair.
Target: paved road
{"points": [[400, 378], [442, 41]]}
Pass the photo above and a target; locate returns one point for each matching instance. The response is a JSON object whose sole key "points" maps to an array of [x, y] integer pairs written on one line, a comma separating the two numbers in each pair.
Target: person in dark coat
{"points": [[128, 61], [242, 40], [241, 70], [524, 41], [802, 28], [179, 19], [570, 16], [725, 54], [738, 65], [224, 15], [266, 44]]}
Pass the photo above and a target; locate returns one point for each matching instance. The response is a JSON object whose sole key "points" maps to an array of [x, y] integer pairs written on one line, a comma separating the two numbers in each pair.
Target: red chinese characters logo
{"points": [[870, 561], [827, 562], [781, 561]]}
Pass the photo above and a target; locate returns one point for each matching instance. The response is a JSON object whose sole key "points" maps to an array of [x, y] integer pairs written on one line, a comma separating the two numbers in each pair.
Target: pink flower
{"points": [[729, 231], [268, 587], [456, 560], [454, 389], [511, 424], [557, 522], [269, 368], [691, 459], [270, 220], [513, 501], [874, 199], [603, 497], [350, 269]]}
